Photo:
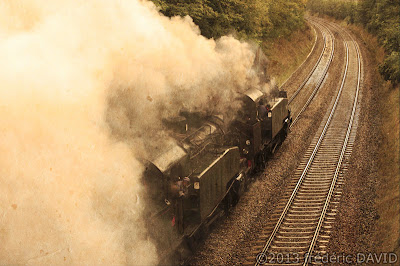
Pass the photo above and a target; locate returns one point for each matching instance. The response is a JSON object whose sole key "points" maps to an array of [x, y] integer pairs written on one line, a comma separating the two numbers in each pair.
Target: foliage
{"points": [[390, 68], [380, 17], [249, 19]]}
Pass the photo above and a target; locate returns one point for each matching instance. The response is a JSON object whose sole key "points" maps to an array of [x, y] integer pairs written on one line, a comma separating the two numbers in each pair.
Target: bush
{"points": [[257, 20], [390, 68], [379, 17]]}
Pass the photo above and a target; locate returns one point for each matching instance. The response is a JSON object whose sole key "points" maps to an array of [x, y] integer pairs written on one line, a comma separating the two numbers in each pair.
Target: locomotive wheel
{"points": [[260, 162]]}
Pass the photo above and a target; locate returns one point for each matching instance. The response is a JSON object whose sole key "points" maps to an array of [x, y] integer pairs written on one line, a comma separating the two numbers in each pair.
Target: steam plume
{"points": [[81, 82]]}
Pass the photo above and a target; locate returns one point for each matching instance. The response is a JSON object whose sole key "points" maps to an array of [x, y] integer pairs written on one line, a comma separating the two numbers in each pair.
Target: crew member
{"points": [[262, 110]]}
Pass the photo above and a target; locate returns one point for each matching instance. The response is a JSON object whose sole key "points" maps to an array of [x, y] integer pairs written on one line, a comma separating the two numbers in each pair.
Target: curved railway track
{"points": [[313, 69], [306, 91], [300, 227]]}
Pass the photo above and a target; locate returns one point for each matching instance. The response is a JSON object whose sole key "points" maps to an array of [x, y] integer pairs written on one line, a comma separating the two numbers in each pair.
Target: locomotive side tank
{"points": [[167, 168], [212, 182], [278, 115]]}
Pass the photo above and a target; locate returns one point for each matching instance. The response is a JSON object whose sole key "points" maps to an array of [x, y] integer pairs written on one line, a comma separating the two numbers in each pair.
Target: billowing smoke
{"points": [[168, 67], [81, 82]]}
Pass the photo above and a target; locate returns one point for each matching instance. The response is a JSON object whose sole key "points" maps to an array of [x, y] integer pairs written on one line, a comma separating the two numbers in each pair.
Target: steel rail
{"points": [[319, 83], [312, 70], [337, 170], [311, 159]]}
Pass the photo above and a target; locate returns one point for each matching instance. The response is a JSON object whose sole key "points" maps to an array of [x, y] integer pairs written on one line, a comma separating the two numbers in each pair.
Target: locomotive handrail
{"points": [[200, 151], [196, 131]]}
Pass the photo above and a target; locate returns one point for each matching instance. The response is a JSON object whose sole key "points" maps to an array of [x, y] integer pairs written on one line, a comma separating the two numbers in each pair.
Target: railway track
{"points": [[300, 227], [306, 91], [313, 68]]}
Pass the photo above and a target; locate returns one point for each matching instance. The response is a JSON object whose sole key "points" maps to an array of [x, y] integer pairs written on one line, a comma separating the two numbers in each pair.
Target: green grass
{"points": [[287, 54]]}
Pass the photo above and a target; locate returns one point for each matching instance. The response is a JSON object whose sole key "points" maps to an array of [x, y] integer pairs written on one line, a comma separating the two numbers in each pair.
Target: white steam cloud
{"points": [[81, 82]]}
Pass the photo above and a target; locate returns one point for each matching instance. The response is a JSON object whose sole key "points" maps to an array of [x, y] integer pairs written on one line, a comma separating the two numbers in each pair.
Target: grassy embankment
{"points": [[287, 54], [387, 201]]}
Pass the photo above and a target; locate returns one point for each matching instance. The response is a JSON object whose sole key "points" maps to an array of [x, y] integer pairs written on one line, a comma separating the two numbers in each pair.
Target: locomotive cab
{"points": [[159, 177], [259, 124], [249, 125], [250, 99]]}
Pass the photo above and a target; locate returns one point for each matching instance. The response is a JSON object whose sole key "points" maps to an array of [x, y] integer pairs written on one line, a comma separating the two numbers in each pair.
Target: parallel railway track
{"points": [[300, 227], [314, 80], [313, 68]]}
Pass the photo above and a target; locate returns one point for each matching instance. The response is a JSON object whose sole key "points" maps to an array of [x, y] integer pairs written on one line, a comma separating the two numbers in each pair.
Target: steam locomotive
{"points": [[199, 177]]}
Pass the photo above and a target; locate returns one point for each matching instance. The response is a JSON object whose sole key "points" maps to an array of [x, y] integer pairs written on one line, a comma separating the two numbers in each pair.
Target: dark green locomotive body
{"points": [[204, 172]]}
